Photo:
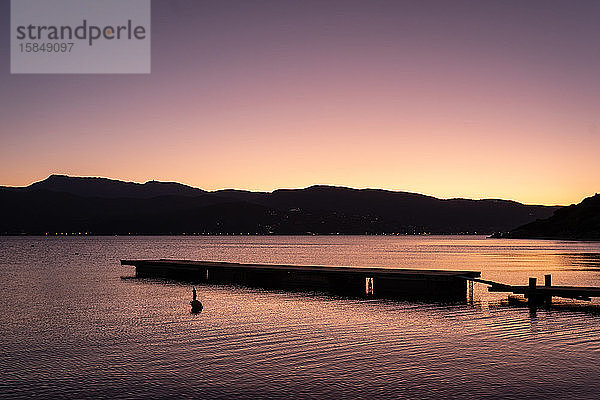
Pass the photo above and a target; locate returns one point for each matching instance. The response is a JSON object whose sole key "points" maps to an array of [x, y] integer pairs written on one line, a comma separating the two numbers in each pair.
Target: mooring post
{"points": [[548, 283], [531, 295]]}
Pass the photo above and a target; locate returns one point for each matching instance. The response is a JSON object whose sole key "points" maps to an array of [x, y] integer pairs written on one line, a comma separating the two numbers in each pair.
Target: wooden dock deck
{"points": [[537, 293], [571, 292], [377, 281]]}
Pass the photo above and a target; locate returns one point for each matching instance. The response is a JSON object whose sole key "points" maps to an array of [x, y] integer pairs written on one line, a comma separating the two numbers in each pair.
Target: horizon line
{"points": [[285, 188]]}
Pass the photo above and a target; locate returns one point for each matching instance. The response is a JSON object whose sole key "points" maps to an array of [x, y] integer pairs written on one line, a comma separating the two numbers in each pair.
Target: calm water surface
{"points": [[70, 327]]}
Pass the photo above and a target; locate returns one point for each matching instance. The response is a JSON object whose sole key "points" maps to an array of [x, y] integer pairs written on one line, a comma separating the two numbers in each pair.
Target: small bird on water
{"points": [[195, 303]]}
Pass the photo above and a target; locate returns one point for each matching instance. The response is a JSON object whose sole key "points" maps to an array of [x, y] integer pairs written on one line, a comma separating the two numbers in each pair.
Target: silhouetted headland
{"points": [[575, 222], [63, 204]]}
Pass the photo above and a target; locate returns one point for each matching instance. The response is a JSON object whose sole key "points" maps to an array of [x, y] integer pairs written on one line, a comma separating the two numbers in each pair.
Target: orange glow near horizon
{"points": [[525, 160]]}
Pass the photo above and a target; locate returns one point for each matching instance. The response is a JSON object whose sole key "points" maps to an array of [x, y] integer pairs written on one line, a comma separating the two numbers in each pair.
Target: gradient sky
{"points": [[472, 99]]}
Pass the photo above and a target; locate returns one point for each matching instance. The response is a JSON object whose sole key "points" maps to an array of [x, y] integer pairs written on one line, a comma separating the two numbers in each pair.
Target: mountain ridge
{"points": [[112, 188], [104, 206]]}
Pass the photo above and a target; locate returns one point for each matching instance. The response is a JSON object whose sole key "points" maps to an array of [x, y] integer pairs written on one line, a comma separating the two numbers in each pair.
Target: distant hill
{"points": [[111, 188], [580, 221], [103, 206]]}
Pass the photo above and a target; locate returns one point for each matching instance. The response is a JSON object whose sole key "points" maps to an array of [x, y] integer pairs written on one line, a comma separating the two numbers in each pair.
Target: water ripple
{"points": [[71, 328]]}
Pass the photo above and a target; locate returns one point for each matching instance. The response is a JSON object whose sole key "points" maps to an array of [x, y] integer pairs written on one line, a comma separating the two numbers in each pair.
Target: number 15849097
{"points": [[34, 47]]}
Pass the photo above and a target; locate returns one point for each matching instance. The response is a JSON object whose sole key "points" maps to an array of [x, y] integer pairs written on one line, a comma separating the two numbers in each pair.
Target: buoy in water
{"points": [[196, 306], [195, 303]]}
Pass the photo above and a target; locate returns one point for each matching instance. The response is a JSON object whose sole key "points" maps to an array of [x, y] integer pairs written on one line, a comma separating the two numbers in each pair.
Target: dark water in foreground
{"points": [[71, 328]]}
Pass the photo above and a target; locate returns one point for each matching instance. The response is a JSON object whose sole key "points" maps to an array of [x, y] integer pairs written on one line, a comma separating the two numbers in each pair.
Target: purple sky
{"points": [[448, 98]]}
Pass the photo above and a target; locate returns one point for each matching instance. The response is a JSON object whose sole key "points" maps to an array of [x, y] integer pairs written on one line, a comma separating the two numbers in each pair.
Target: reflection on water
{"points": [[582, 261], [71, 327]]}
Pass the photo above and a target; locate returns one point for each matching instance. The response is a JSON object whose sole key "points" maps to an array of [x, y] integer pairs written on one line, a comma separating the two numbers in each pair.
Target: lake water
{"points": [[70, 327]]}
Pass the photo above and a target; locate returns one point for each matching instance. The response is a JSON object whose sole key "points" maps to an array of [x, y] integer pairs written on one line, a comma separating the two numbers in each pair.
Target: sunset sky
{"points": [[477, 99]]}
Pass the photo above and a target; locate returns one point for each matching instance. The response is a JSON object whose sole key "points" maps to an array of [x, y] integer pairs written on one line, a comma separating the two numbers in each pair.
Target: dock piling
{"points": [[369, 283], [470, 291], [548, 283], [532, 295]]}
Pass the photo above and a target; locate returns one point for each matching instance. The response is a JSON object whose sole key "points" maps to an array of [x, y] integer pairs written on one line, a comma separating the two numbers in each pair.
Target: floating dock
{"points": [[376, 281], [537, 294]]}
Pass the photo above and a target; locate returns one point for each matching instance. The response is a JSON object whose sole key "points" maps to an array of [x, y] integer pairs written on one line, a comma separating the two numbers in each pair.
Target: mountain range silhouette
{"points": [[64, 204]]}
